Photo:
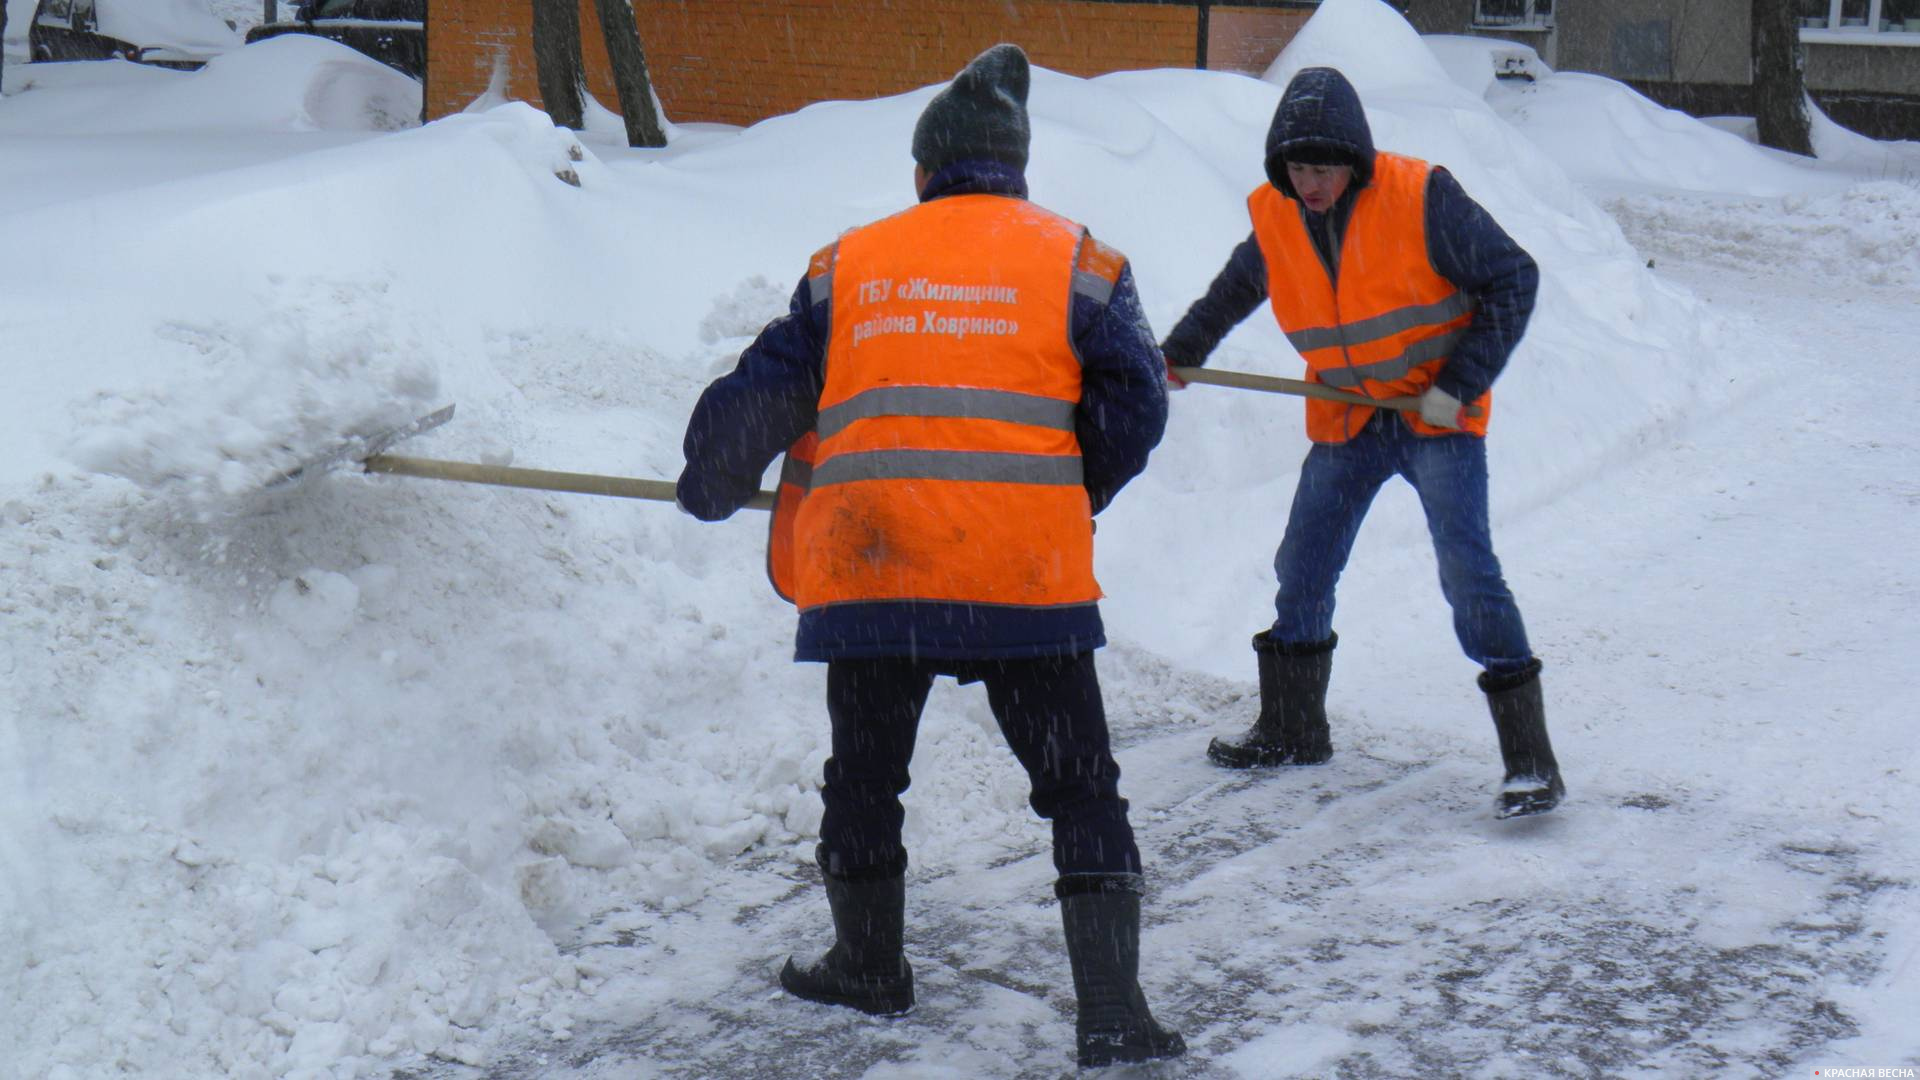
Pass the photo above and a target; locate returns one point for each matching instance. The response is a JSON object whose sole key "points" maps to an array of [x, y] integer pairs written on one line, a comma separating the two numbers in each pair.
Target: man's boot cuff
{"points": [[1263, 642], [1085, 884], [832, 866], [1513, 680]]}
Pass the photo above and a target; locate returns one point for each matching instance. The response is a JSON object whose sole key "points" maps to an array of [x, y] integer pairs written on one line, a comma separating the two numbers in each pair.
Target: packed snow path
{"points": [[1718, 897]]}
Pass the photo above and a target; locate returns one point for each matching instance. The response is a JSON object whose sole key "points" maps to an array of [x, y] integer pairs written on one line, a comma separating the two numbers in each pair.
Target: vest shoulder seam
{"points": [[1100, 260]]}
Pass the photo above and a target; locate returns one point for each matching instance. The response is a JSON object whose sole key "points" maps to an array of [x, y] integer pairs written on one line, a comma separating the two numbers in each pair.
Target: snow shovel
{"points": [[1244, 380], [358, 449], [369, 453], [619, 487]]}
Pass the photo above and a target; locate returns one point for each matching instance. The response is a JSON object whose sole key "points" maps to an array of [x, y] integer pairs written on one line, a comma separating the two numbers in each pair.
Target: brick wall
{"points": [[1247, 39], [739, 61], [469, 42]]}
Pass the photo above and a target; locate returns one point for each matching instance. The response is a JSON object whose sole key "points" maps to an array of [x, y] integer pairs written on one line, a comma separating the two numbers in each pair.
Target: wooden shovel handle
{"points": [[630, 487], [1273, 384], [619, 487]]}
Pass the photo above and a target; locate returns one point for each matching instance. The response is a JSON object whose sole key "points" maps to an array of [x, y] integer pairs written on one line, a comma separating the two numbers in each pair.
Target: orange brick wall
{"points": [[1248, 39], [467, 39], [739, 61]]}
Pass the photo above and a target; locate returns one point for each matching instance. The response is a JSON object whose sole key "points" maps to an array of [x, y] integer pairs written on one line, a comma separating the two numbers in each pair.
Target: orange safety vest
{"points": [[944, 465], [1387, 328]]}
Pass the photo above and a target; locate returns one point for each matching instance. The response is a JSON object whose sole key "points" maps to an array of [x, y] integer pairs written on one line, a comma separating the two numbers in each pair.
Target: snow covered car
{"points": [[393, 32], [168, 33]]}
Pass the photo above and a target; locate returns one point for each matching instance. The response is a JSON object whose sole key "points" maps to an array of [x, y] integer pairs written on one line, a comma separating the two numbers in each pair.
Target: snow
{"points": [[376, 774], [193, 29], [19, 14], [188, 27]]}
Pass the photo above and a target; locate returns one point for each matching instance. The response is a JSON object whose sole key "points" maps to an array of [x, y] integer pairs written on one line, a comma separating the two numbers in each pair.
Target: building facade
{"points": [[1862, 56], [740, 61]]}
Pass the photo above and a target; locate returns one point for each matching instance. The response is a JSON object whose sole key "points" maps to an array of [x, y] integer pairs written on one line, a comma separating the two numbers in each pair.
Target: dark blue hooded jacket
{"points": [[751, 415], [1319, 120]]}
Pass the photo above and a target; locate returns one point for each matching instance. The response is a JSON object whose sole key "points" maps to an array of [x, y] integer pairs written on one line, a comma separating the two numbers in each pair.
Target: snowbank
{"points": [[295, 82], [187, 26]]}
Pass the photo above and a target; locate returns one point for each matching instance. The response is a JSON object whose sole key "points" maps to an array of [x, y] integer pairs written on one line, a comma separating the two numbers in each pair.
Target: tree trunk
{"points": [[1779, 91], [556, 55], [629, 59]]}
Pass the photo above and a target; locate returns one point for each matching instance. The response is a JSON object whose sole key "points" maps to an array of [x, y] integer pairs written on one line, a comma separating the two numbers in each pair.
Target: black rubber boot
{"points": [[867, 967], [1292, 726], [1533, 784], [1101, 913]]}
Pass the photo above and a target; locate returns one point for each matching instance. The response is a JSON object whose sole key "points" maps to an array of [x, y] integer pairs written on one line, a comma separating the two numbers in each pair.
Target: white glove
{"points": [[1441, 409]]}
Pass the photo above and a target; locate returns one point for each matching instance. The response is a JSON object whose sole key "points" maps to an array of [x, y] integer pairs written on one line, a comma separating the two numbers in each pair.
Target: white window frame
{"points": [[1532, 19], [1833, 33]]}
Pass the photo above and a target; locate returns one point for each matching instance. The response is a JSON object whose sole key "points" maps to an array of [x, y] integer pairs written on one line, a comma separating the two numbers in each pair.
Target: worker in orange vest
{"points": [[963, 385], [1390, 281]]}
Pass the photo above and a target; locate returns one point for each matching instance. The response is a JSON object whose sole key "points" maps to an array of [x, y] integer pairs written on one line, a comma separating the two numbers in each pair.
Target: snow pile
{"points": [[1856, 155], [1475, 64], [1644, 145], [1640, 146], [1870, 232], [188, 26], [330, 771], [741, 314], [257, 409], [295, 82]]}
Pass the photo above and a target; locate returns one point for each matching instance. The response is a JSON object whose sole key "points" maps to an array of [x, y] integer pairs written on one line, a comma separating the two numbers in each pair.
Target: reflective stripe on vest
{"points": [[984, 466], [820, 274], [1395, 368], [946, 466], [1380, 326], [953, 401], [1387, 326]]}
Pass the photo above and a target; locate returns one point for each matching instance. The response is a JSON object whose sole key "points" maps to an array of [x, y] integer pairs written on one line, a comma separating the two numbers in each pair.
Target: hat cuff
{"points": [[1319, 153]]}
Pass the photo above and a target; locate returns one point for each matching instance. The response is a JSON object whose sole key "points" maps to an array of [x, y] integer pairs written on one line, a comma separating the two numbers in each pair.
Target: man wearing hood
{"points": [[963, 385], [1391, 282]]}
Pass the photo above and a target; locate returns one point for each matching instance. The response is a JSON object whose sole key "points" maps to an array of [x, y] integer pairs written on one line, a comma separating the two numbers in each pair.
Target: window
{"points": [[1536, 14], [1643, 50], [1859, 16]]}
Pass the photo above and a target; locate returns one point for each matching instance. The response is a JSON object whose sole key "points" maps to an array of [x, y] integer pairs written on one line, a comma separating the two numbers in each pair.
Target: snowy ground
{"points": [[1731, 893], [381, 777]]}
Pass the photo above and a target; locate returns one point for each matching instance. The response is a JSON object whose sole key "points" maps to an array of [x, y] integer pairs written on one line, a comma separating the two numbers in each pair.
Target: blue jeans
{"points": [[1337, 485]]}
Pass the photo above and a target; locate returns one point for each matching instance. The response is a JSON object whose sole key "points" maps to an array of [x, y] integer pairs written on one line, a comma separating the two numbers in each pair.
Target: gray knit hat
{"points": [[980, 116]]}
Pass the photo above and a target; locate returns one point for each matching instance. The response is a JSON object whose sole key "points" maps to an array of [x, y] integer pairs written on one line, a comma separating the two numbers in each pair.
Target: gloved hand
{"points": [[1174, 382], [682, 489], [1441, 409]]}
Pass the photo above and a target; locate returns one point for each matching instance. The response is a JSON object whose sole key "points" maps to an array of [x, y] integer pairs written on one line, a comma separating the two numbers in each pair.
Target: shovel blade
{"points": [[358, 449]]}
